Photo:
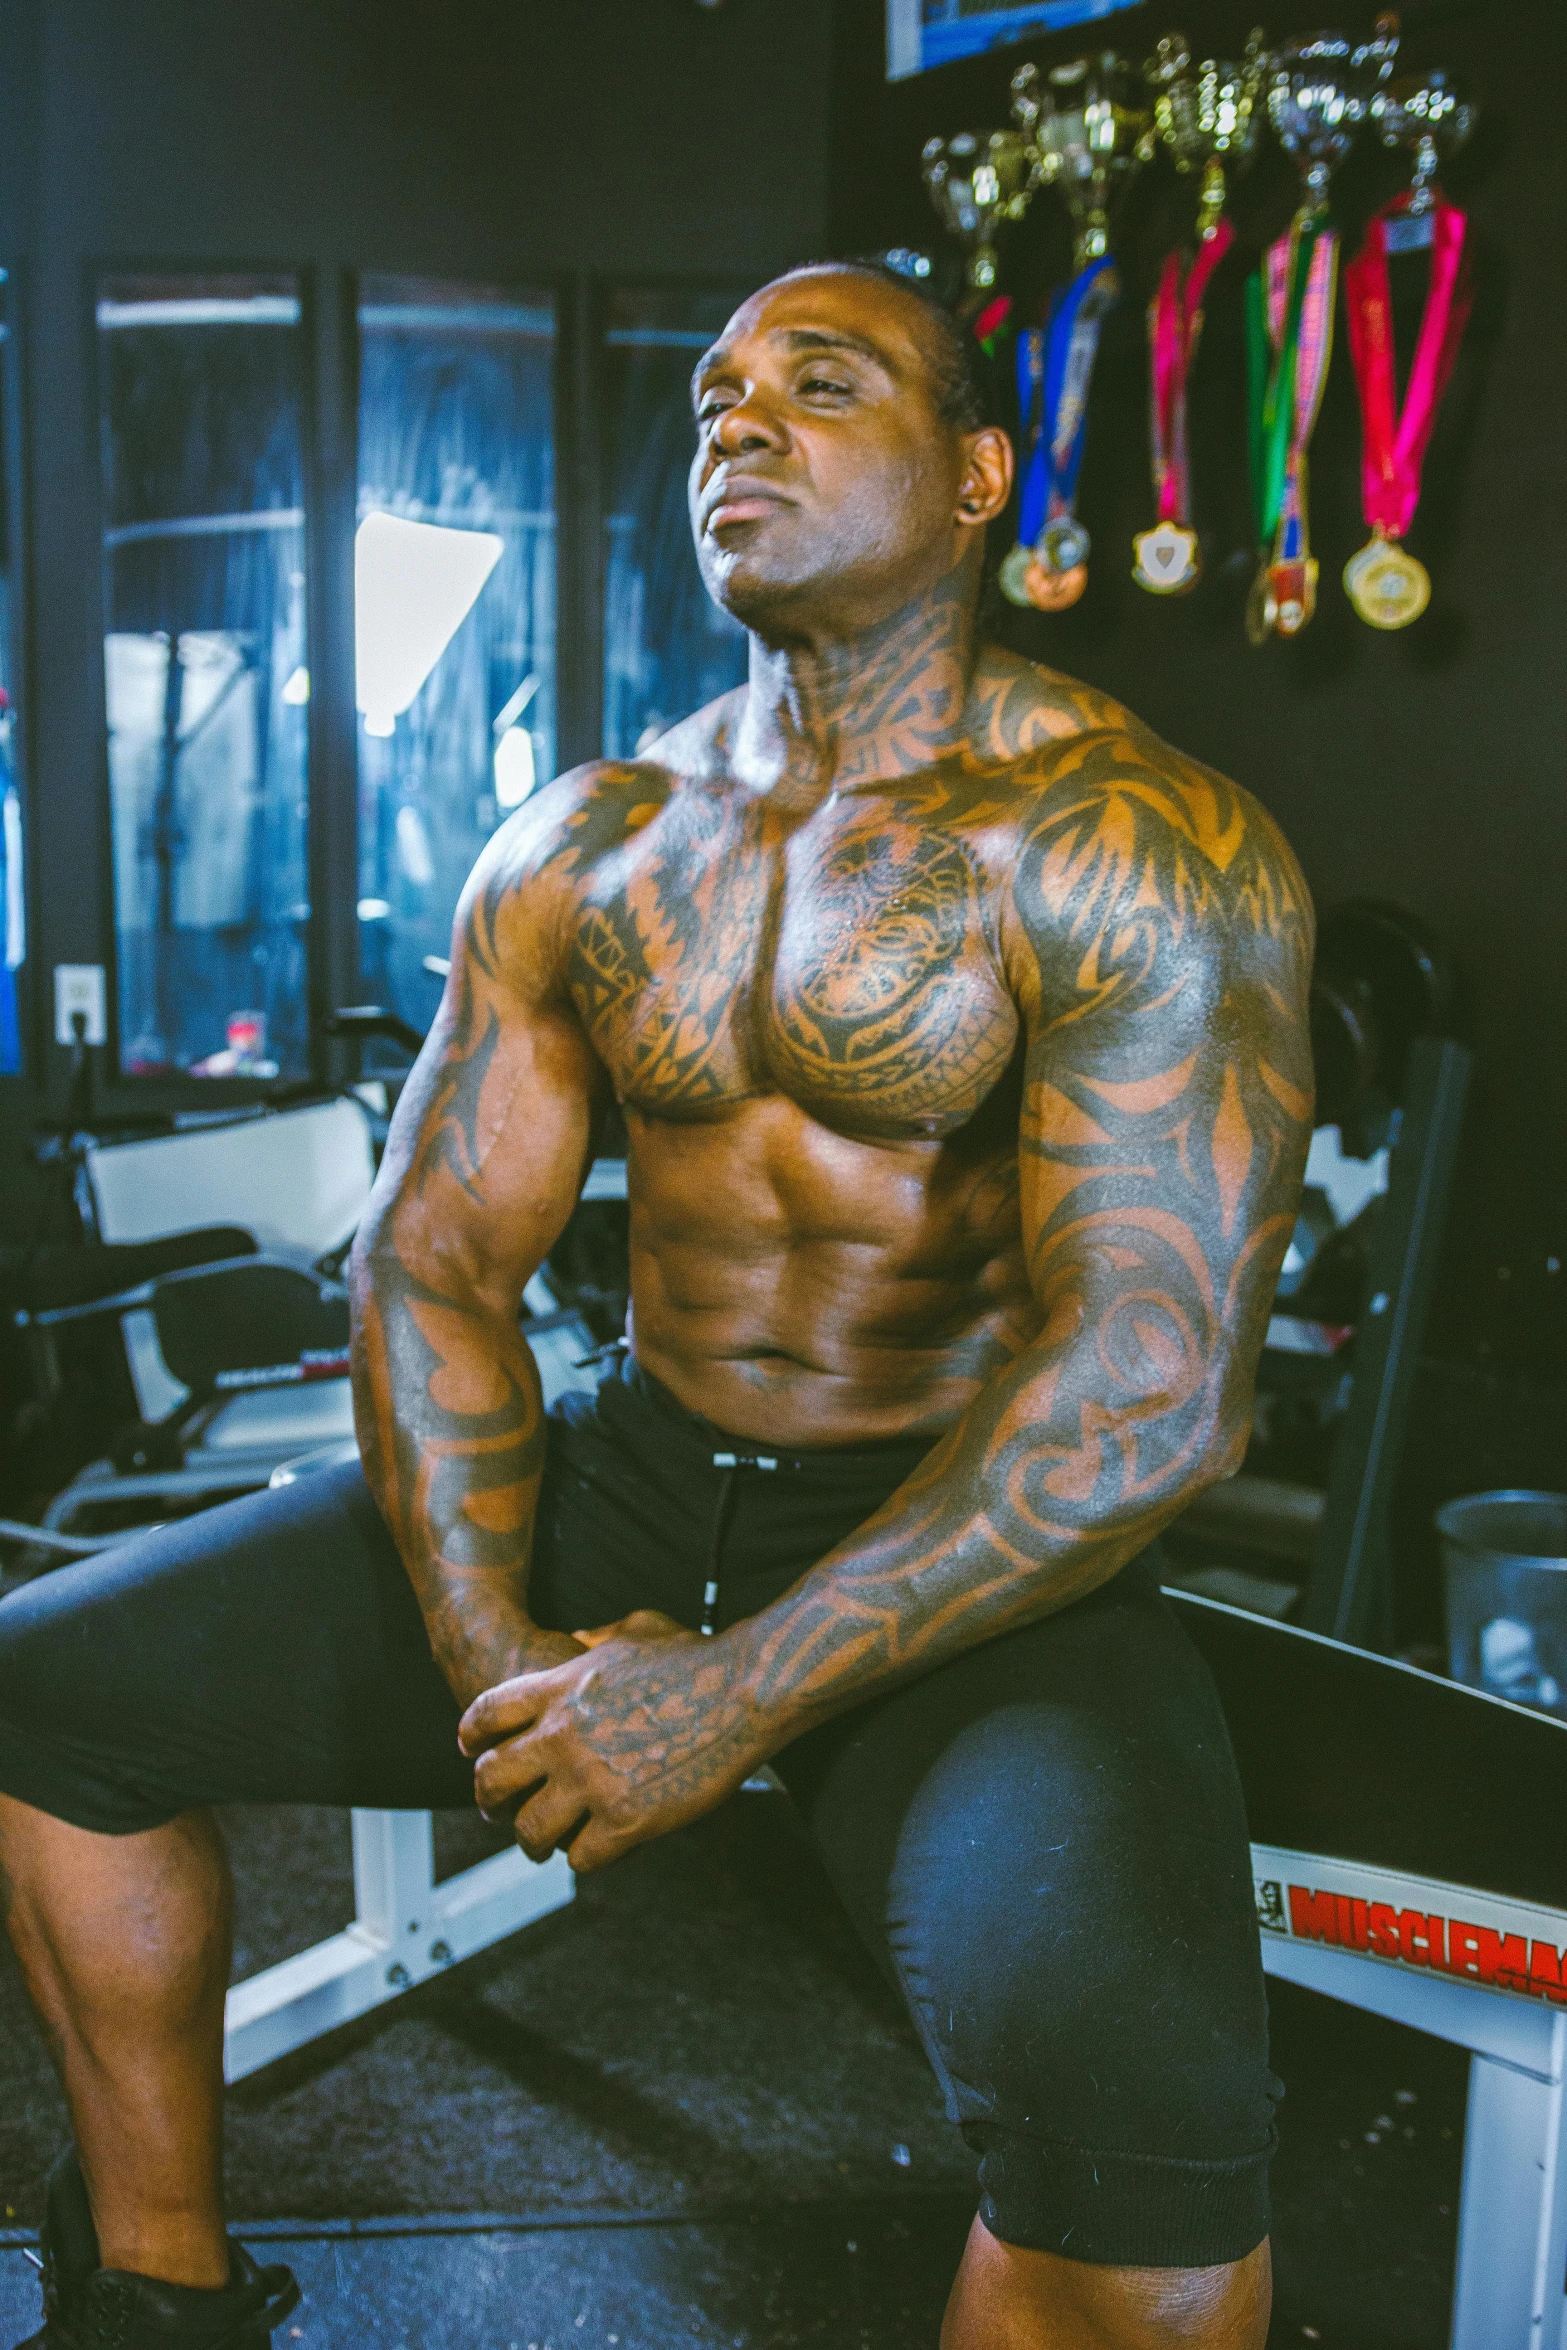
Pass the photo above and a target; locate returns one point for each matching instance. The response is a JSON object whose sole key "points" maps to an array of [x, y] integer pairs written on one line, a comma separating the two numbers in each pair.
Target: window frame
{"points": [[329, 292], [30, 997]]}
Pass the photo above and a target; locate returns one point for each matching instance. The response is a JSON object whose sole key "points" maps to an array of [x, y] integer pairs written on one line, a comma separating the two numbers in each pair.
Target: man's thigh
{"points": [[1045, 1842], [270, 1650]]}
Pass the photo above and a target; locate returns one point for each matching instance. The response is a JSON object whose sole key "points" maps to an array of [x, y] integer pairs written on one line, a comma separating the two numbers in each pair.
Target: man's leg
{"points": [[1007, 2298], [124, 1945], [271, 1650], [1044, 1842]]}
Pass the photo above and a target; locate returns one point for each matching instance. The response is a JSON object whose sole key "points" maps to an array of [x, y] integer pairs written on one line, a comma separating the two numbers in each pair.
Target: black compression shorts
{"points": [[1042, 1841]]}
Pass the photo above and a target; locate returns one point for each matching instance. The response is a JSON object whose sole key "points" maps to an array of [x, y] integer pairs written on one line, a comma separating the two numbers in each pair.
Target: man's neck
{"points": [[826, 713]]}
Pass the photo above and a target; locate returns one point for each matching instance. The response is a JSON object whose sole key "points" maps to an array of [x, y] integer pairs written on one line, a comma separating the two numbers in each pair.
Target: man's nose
{"points": [[747, 426]]}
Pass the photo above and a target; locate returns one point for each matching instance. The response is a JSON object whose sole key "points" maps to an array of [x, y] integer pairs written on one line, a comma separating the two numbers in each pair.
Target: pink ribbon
{"points": [[1394, 441], [1174, 325]]}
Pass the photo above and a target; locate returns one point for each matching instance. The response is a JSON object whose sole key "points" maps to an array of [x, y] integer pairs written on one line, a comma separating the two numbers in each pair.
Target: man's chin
{"points": [[753, 592]]}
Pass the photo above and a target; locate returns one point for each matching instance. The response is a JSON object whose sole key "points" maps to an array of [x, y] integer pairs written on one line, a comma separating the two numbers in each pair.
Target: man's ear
{"points": [[986, 481]]}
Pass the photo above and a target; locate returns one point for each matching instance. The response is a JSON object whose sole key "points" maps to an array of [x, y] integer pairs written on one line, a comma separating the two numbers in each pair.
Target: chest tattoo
{"points": [[842, 962], [883, 994]]}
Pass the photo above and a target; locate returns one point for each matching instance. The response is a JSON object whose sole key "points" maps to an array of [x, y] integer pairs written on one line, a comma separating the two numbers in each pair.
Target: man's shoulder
{"points": [[1113, 834], [595, 807], [1081, 765]]}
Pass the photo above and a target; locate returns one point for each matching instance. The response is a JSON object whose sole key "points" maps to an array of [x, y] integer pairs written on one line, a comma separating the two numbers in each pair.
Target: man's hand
{"points": [[649, 1728], [499, 1646]]}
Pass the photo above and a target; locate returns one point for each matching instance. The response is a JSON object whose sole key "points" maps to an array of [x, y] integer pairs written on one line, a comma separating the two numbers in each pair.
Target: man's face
{"points": [[825, 485]]}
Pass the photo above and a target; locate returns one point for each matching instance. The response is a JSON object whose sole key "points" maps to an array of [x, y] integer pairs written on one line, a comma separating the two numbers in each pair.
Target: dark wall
{"points": [[1426, 766], [504, 139]]}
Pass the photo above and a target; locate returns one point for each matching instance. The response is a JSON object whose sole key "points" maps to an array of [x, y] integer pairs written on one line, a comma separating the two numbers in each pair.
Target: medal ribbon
{"points": [[1055, 366], [1174, 325], [1289, 313], [1394, 441]]}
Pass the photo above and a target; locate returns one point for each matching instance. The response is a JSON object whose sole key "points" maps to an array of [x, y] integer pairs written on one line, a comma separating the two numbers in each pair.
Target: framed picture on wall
{"points": [[922, 33]]}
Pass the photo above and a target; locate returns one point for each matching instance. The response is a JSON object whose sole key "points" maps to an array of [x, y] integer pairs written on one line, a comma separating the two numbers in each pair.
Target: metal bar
{"points": [[1510, 2032], [1512, 2228], [579, 591], [1348, 1594], [407, 1929], [203, 526], [1512, 2222], [73, 1545], [394, 1872]]}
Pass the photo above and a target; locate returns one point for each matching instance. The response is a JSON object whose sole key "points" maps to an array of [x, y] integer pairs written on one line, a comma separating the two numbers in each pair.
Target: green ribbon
{"points": [[1270, 383]]}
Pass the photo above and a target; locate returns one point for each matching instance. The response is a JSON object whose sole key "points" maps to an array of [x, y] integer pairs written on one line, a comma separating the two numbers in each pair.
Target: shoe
{"points": [[89, 2307]]}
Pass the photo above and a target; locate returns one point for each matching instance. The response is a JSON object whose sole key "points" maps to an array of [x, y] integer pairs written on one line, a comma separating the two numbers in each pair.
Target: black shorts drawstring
{"points": [[731, 1463]]}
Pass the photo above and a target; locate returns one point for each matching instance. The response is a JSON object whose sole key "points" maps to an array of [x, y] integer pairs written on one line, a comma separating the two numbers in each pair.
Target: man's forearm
{"points": [[1039, 1494], [451, 1430]]}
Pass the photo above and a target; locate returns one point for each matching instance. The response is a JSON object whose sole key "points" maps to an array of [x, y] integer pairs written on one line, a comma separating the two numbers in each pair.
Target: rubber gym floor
{"points": [[686, 2110]]}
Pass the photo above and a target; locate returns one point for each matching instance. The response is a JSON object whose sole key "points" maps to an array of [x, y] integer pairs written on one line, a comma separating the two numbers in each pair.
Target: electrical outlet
{"points": [[79, 991]]}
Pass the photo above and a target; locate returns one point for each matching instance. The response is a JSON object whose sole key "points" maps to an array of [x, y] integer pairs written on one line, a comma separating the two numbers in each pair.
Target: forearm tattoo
{"points": [[448, 1401], [1159, 938]]}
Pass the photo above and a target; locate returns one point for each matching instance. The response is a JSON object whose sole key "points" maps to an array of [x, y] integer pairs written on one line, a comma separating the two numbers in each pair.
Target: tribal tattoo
{"points": [[485, 1158], [1062, 916]]}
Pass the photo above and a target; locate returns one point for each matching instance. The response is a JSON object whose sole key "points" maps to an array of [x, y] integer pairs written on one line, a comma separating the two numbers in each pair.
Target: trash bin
{"points": [[1504, 1556]]}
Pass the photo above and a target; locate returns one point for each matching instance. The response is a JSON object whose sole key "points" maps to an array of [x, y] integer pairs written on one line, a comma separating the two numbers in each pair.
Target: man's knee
{"points": [[1007, 2294]]}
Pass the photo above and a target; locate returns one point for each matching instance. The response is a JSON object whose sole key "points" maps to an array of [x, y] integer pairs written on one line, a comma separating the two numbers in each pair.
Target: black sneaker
{"points": [[88, 2307]]}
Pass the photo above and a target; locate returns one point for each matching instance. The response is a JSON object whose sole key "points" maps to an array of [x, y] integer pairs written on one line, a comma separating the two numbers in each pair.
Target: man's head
{"points": [[843, 463]]}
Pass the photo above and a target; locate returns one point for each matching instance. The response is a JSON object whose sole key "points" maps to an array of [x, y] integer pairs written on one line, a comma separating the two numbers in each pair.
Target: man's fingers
{"points": [[507, 1774], [548, 1821], [596, 1844], [509, 1706], [644, 1623]]}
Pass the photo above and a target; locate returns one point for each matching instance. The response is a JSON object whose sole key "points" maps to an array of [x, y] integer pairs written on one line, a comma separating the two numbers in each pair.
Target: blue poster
{"points": [[923, 33]]}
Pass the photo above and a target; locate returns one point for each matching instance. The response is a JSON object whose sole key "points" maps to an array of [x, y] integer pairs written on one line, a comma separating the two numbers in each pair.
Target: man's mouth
{"points": [[739, 500]]}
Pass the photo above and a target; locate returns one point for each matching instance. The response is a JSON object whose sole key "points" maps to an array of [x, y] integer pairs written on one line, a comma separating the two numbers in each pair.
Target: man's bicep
{"points": [[494, 1131], [1167, 1107]]}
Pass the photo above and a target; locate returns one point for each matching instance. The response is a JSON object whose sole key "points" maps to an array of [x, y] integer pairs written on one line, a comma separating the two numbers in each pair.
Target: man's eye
{"points": [[825, 383]]}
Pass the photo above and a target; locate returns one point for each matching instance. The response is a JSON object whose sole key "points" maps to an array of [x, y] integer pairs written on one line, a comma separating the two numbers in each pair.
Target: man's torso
{"points": [[807, 1014]]}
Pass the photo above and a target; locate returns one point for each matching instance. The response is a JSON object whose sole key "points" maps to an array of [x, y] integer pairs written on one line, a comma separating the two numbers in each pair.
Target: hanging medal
{"points": [[1048, 567], [1289, 338], [1208, 117], [1168, 562], [1386, 585]]}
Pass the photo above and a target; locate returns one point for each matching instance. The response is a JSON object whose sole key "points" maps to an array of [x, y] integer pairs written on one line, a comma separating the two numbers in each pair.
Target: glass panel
{"points": [[204, 602], [455, 602], [13, 894], [667, 648]]}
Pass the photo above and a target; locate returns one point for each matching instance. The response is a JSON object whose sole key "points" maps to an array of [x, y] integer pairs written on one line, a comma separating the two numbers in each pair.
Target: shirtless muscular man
{"points": [[959, 1026]]}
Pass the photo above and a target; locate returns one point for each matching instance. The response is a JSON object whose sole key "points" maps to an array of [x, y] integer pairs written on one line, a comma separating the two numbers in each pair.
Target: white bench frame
{"points": [[1508, 2289], [405, 1929]]}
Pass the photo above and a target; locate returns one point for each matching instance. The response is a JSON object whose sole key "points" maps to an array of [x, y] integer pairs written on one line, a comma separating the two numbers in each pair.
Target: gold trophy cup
{"points": [[1320, 92], [977, 180], [1208, 116], [1420, 112], [1088, 130]]}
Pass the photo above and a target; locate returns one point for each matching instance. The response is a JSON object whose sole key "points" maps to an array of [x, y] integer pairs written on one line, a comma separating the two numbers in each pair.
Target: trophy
{"points": [[1207, 115], [1087, 132], [1320, 93], [977, 180], [1421, 113]]}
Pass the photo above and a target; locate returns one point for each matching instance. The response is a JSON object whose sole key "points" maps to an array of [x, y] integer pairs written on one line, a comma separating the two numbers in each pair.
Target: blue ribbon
{"points": [[1055, 440]]}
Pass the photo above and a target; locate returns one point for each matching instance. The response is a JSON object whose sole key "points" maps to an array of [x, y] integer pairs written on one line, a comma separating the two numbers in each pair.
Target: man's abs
{"points": [[802, 1287]]}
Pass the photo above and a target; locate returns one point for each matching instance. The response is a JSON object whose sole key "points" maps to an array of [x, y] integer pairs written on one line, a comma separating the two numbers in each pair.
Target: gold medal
{"points": [[1387, 587], [1015, 566], [1261, 611], [1293, 588], [1168, 562]]}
